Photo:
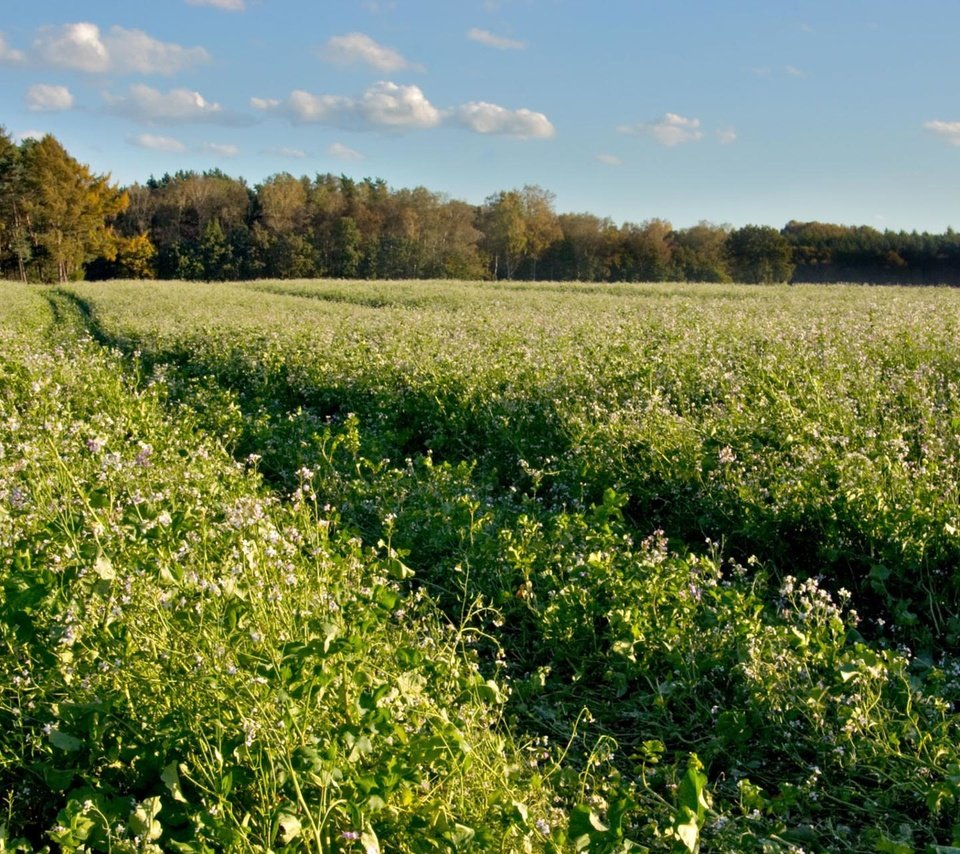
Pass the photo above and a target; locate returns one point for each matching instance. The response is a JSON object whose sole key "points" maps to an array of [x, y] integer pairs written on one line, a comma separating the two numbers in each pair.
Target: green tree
{"points": [[518, 226], [645, 251], [135, 257], [700, 253], [504, 232], [68, 210], [759, 253], [347, 253], [541, 226], [215, 253], [587, 250], [14, 242]]}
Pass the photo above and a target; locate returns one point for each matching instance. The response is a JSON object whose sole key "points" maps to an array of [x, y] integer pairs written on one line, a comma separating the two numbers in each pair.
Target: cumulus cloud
{"points": [[76, 46], [481, 117], [44, 98], [360, 49], [145, 104], [229, 5], [384, 105], [793, 71], [264, 103], [296, 153], [671, 130], [24, 135], [10, 56], [343, 152], [390, 106], [609, 160], [158, 143], [490, 40], [134, 50], [726, 136], [82, 47], [221, 149], [947, 131]]}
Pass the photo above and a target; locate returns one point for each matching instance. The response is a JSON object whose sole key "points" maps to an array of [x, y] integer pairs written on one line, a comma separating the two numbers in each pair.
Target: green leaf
{"points": [[490, 692], [460, 835], [143, 819], [171, 779], [369, 841], [585, 822], [58, 780], [398, 570], [288, 828], [104, 568], [688, 831], [63, 741], [691, 793]]}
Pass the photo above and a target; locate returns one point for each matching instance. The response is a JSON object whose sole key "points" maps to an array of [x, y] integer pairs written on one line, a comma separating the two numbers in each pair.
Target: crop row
{"points": [[551, 460], [189, 664]]}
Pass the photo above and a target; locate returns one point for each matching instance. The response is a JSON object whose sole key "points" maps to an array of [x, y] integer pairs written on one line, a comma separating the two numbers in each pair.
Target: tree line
{"points": [[59, 221]]}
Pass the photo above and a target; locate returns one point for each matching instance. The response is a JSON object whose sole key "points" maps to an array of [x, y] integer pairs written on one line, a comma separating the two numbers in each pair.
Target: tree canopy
{"points": [[57, 215], [60, 221]]}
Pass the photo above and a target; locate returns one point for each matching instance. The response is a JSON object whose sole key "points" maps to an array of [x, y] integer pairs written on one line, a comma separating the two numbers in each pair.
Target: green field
{"points": [[432, 566]]}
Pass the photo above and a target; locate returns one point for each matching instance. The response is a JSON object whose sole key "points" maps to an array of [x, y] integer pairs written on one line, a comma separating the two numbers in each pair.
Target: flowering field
{"points": [[343, 566]]}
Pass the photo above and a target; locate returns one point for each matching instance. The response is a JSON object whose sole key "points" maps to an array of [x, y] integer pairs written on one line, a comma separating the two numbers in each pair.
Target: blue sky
{"points": [[738, 111]]}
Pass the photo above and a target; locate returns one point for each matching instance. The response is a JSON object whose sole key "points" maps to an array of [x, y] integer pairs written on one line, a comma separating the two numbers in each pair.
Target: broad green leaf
{"points": [[171, 779], [143, 819], [288, 828], [104, 568], [63, 741]]}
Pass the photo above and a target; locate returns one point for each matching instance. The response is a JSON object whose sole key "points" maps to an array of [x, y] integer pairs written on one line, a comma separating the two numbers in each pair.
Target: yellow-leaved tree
{"points": [[65, 210]]}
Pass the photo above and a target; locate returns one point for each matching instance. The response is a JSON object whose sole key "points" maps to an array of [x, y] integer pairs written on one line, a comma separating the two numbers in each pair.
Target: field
{"points": [[431, 566]]}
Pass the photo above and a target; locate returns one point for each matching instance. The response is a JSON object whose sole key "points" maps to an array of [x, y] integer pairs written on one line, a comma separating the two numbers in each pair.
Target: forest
{"points": [[59, 221]]}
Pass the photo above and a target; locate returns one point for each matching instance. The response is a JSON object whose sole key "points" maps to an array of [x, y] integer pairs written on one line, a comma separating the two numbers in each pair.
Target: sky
{"points": [[732, 111]]}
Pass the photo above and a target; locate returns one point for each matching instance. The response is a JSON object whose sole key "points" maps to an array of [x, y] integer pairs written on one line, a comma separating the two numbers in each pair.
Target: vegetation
{"points": [[58, 222], [480, 566]]}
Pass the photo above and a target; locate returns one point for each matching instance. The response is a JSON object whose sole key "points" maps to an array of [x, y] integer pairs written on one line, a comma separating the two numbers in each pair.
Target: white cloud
{"points": [[343, 152], [77, 46], [158, 143], [221, 149], [297, 153], [671, 130], [229, 5], [134, 50], [360, 49], [490, 40], [24, 135], [9, 55], [726, 136], [44, 98], [149, 105], [264, 103], [482, 117], [82, 47], [948, 131], [793, 71], [609, 159], [383, 105], [390, 106]]}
